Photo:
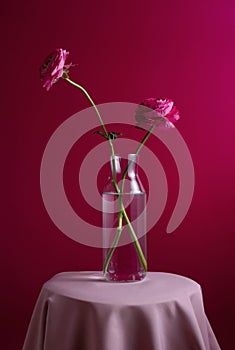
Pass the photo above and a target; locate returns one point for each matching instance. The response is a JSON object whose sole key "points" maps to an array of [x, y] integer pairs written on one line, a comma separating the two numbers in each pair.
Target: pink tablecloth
{"points": [[80, 311]]}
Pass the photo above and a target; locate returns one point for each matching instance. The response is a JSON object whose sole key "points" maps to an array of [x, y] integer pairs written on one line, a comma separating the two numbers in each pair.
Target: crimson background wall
{"points": [[126, 50]]}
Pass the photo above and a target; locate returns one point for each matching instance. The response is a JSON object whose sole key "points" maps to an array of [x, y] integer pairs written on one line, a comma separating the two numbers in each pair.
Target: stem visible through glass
{"points": [[123, 212]]}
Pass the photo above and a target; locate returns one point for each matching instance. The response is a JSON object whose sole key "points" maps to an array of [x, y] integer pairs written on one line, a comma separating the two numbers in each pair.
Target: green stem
{"points": [[92, 103], [100, 119], [144, 139], [135, 239], [115, 242], [136, 153]]}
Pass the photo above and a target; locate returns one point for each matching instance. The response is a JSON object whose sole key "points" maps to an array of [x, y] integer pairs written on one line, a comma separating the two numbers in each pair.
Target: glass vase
{"points": [[124, 222]]}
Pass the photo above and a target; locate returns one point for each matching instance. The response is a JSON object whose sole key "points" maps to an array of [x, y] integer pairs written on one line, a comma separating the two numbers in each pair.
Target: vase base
{"points": [[114, 277]]}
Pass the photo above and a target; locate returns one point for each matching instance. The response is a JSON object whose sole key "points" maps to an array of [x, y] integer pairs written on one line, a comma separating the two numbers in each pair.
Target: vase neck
{"points": [[125, 175], [127, 163]]}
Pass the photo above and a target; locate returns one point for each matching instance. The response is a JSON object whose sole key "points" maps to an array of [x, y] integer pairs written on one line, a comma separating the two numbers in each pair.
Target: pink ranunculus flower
{"points": [[153, 111], [174, 115], [53, 68]]}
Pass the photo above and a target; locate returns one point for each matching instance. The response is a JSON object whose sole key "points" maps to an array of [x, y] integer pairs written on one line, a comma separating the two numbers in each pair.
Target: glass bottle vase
{"points": [[124, 222]]}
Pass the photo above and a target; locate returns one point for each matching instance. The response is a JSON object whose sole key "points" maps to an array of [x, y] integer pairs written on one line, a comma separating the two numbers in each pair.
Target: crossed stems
{"points": [[121, 212]]}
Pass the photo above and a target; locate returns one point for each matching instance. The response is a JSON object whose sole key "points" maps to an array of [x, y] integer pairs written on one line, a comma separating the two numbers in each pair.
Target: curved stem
{"points": [[91, 101], [100, 119]]}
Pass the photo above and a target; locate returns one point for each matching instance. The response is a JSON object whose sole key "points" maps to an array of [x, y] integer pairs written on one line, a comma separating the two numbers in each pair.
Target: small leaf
{"points": [[113, 135], [100, 133]]}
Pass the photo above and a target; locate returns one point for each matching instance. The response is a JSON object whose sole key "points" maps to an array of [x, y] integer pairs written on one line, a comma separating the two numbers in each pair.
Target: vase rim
{"points": [[125, 156]]}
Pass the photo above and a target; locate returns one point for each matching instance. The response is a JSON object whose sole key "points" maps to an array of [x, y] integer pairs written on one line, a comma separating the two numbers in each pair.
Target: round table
{"points": [[81, 311]]}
